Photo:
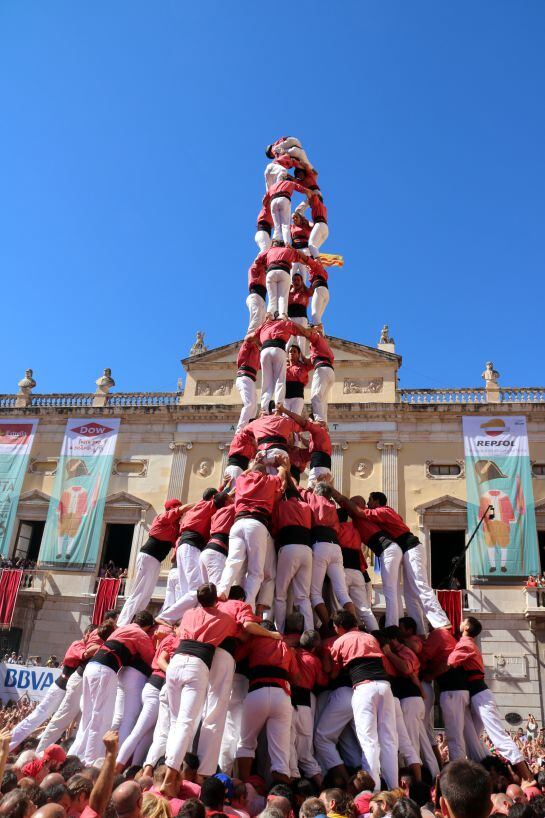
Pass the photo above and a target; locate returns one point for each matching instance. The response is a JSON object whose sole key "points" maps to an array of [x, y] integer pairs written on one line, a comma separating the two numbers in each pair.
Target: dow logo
{"points": [[92, 430]]}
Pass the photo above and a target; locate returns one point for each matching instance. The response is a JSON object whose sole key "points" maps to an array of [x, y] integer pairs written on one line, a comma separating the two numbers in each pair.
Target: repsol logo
{"points": [[496, 443], [28, 679]]}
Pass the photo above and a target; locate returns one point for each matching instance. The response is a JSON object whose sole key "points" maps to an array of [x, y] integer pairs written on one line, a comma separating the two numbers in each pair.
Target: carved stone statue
{"points": [[105, 382], [385, 337], [490, 375], [26, 384], [205, 468], [199, 345]]}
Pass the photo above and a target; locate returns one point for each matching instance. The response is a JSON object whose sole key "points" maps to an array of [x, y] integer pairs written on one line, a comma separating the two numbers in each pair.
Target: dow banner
{"points": [[74, 520], [499, 478], [16, 438]]}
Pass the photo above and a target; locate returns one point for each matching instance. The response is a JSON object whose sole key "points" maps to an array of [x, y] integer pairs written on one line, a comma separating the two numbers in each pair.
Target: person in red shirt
{"points": [[274, 435], [248, 365], [279, 195], [125, 645], [222, 673], [274, 267], [320, 291], [292, 522], [214, 554], [273, 336], [419, 596], [242, 449], [320, 230], [201, 630], [194, 534], [308, 675], [275, 171], [372, 699], [326, 551], [358, 583], [267, 704], [290, 145], [297, 374], [257, 292], [163, 534], [323, 379], [264, 226], [256, 494], [161, 727], [486, 716], [298, 299], [320, 446]]}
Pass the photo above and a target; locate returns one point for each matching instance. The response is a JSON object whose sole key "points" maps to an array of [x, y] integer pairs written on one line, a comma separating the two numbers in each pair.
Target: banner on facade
{"points": [[499, 478], [74, 519], [17, 681], [16, 438]]}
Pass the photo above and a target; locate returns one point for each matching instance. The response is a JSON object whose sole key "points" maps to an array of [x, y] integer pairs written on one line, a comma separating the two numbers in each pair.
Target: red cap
{"points": [[172, 504], [54, 753]]}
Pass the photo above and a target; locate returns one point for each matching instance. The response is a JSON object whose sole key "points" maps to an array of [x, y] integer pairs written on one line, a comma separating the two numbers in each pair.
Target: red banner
{"points": [[105, 598], [10, 580], [451, 603]]}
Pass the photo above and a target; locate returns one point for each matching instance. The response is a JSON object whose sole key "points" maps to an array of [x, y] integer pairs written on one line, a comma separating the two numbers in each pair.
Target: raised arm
{"points": [[102, 789], [281, 410], [342, 501]]}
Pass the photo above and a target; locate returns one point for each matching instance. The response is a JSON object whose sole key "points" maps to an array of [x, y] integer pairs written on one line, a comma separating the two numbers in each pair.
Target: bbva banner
{"points": [[17, 681], [74, 519]]}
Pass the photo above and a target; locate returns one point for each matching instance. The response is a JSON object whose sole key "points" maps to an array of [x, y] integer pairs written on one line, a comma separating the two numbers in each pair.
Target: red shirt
{"points": [[262, 651], [74, 655], [280, 330], [316, 271], [286, 161], [272, 426], [300, 234], [240, 611], [320, 440], [285, 187], [167, 645], [319, 349], [199, 518], [467, 655], [309, 672], [355, 645], [209, 625], [436, 650], [410, 659], [299, 457], [166, 526], [275, 257], [243, 444], [256, 492], [222, 520], [350, 539], [248, 359], [388, 520], [298, 373], [318, 210], [366, 528], [257, 274], [264, 216], [292, 511], [136, 640], [299, 297], [324, 511]]}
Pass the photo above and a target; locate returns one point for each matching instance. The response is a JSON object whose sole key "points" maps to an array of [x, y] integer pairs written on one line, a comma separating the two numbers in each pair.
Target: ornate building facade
{"points": [[407, 443]]}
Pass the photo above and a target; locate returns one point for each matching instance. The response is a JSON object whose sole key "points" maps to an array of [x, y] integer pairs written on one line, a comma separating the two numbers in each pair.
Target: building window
{"points": [[29, 539], [444, 470], [538, 469], [117, 550], [445, 547]]}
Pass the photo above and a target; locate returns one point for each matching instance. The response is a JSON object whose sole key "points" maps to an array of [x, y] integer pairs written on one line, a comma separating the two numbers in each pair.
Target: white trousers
{"points": [[41, 713], [248, 395], [247, 545], [358, 593], [263, 240], [418, 593], [268, 707], [295, 405], [373, 704], [317, 474], [257, 310], [128, 701], [407, 749], [215, 711], [160, 733], [65, 713], [293, 567], [292, 146], [318, 234], [273, 376], [187, 683], [172, 591], [97, 710], [486, 716], [414, 712], [334, 718], [142, 588], [327, 559], [456, 713], [231, 732], [300, 340], [143, 727], [278, 290], [390, 563], [265, 595], [320, 389], [232, 472], [320, 300], [189, 578], [212, 565], [429, 701], [302, 750], [281, 216]]}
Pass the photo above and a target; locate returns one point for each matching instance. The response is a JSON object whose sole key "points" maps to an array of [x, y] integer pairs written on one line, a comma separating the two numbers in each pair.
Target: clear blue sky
{"points": [[131, 152]]}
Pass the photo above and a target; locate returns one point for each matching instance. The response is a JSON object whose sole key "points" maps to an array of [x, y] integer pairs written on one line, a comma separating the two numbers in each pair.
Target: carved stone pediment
{"points": [[445, 504]]}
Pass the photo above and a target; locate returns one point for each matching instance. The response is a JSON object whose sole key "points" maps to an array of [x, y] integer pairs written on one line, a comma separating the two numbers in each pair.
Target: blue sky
{"points": [[131, 153]]}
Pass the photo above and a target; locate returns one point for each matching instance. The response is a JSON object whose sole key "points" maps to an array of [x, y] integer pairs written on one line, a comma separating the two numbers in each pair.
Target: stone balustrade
{"points": [[416, 396]]}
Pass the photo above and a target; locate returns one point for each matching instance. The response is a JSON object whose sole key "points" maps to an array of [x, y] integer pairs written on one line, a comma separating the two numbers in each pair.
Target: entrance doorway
{"points": [[29, 539], [445, 546], [117, 545]]}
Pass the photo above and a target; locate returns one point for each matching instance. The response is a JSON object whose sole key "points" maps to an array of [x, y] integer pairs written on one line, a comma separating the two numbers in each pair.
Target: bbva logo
{"points": [[25, 679]]}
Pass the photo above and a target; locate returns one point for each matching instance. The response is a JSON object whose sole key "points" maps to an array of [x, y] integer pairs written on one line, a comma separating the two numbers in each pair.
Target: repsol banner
{"points": [[17, 681], [74, 520]]}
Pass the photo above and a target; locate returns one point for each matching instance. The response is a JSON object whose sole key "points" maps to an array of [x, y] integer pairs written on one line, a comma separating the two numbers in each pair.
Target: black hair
{"points": [[55, 792], [144, 619], [237, 592], [295, 623], [381, 498], [342, 514], [213, 793], [71, 765], [296, 474], [281, 791], [409, 624], [406, 808], [9, 781], [207, 595], [268, 625], [420, 793], [37, 795], [112, 614], [345, 620], [268, 152], [15, 804], [78, 784], [309, 639], [131, 772], [191, 761], [466, 786], [209, 493], [303, 788], [475, 626], [192, 808], [220, 498], [393, 632], [519, 810]]}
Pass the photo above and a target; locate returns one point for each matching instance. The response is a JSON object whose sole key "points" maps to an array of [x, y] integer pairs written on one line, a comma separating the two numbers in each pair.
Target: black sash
{"points": [[365, 670], [279, 265], [407, 541], [476, 685], [158, 549], [320, 282], [297, 311], [202, 650], [379, 542], [281, 196], [238, 460], [300, 697], [295, 389], [300, 244], [156, 681], [62, 680], [322, 459], [454, 679], [138, 664], [404, 688], [264, 226], [259, 289], [290, 534], [229, 645], [275, 441], [322, 533], [351, 558], [267, 674], [192, 538], [274, 342]]}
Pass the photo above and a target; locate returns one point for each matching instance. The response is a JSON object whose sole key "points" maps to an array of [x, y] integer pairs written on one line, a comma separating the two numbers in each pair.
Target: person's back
{"points": [[465, 790]]}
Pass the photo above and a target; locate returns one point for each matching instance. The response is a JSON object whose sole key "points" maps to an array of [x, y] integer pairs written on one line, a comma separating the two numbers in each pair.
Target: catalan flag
{"points": [[331, 260]]}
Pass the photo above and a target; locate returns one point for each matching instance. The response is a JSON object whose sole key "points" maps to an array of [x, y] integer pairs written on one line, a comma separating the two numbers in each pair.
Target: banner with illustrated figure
{"points": [[74, 520], [499, 478], [16, 439]]}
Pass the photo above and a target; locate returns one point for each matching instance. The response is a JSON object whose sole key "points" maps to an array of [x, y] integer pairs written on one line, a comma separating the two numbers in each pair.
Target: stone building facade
{"points": [[407, 443]]}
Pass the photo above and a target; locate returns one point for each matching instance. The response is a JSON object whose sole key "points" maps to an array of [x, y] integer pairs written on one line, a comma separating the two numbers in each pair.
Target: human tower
{"points": [[252, 639]]}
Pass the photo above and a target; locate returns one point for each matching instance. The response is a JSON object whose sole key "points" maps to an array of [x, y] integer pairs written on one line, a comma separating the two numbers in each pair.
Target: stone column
{"points": [[224, 449], [337, 464], [177, 471], [139, 537], [389, 450]]}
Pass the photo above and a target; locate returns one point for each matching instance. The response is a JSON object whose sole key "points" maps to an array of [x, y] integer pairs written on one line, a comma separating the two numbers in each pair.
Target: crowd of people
{"points": [[15, 658], [267, 661]]}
